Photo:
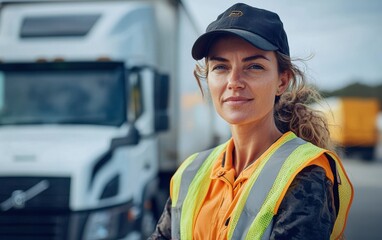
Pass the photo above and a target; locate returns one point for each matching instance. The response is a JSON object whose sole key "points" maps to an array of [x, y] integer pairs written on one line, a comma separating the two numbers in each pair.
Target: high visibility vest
{"points": [[253, 215]]}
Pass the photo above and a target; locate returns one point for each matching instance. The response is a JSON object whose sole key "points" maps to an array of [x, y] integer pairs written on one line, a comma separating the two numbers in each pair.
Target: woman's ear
{"points": [[284, 80]]}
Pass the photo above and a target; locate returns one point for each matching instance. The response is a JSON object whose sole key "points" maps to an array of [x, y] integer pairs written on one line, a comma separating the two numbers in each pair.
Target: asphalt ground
{"points": [[365, 215]]}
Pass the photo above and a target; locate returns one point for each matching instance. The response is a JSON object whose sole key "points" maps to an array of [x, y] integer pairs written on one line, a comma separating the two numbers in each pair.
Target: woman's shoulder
{"points": [[307, 208]]}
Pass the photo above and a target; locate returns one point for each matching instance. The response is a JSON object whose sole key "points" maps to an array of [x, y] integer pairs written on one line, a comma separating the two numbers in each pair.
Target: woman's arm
{"points": [[307, 210], [163, 228]]}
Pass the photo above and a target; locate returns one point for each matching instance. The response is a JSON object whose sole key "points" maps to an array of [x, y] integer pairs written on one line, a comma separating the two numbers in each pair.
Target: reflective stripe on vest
{"points": [[197, 166], [261, 188], [187, 176], [298, 160]]}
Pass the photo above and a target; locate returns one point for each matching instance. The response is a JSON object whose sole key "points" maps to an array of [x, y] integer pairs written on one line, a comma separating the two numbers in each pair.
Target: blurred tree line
{"points": [[356, 90]]}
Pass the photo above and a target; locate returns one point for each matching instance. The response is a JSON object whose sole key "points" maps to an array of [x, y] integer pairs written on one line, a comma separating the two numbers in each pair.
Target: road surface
{"points": [[366, 213]]}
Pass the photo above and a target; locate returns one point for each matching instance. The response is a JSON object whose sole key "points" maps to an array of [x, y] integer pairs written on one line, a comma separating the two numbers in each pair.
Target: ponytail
{"points": [[293, 111]]}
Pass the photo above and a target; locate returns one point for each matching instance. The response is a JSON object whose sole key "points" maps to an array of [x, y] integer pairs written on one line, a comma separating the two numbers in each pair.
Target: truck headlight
{"points": [[111, 223], [101, 225]]}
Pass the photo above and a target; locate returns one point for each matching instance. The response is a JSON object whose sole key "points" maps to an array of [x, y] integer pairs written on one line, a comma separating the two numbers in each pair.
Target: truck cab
{"points": [[95, 110]]}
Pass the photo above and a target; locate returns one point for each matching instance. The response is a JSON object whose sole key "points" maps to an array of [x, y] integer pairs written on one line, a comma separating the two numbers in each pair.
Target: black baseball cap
{"points": [[260, 27]]}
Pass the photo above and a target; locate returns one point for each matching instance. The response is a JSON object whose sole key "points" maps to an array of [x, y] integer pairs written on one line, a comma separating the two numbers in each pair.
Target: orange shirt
{"points": [[224, 191]]}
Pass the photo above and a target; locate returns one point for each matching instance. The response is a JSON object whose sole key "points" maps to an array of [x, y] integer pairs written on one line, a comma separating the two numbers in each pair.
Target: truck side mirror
{"points": [[161, 98], [133, 137]]}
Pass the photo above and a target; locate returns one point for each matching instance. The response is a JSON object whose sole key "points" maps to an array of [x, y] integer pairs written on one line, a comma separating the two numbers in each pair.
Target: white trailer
{"points": [[98, 106]]}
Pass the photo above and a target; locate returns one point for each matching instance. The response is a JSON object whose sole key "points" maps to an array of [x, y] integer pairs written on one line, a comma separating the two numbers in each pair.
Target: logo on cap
{"points": [[236, 13]]}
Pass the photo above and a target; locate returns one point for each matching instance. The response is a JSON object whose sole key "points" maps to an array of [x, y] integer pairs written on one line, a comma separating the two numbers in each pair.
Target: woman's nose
{"points": [[235, 80]]}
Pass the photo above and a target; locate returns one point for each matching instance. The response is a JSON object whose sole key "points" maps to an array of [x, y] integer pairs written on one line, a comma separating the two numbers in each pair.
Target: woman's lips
{"points": [[236, 100]]}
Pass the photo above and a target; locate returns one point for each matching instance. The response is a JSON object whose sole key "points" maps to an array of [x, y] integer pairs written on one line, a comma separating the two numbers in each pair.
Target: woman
{"points": [[276, 178]]}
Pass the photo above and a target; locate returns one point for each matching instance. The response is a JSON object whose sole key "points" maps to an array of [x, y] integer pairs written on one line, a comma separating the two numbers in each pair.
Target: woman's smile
{"points": [[236, 101]]}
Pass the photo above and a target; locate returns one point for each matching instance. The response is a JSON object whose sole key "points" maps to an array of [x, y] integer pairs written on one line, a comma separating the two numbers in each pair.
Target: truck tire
{"points": [[367, 153]]}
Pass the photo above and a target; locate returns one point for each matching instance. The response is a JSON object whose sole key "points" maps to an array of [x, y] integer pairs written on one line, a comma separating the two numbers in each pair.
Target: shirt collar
{"points": [[224, 161]]}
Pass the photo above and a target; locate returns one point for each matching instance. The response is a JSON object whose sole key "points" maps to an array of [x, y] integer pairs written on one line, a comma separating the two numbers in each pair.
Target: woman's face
{"points": [[243, 81]]}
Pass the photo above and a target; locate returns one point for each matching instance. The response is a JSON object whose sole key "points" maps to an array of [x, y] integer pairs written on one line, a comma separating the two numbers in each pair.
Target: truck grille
{"points": [[33, 226], [34, 208]]}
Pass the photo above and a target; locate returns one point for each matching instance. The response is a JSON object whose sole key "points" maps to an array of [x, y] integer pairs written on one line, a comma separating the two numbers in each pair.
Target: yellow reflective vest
{"points": [[253, 215]]}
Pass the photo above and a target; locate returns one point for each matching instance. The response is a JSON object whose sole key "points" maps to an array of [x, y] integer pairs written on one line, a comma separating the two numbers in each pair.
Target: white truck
{"points": [[98, 107]]}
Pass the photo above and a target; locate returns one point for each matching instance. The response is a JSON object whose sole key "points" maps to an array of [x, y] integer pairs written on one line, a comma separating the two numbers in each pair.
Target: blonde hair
{"points": [[292, 111]]}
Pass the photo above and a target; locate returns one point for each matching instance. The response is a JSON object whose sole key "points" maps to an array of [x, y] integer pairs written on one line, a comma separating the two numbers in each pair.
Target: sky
{"points": [[341, 39]]}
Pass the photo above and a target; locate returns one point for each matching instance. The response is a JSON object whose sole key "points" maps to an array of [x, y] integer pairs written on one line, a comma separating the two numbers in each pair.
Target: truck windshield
{"points": [[63, 93]]}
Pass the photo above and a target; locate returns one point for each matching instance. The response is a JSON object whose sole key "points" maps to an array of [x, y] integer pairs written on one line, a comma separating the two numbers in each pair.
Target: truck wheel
{"points": [[367, 153]]}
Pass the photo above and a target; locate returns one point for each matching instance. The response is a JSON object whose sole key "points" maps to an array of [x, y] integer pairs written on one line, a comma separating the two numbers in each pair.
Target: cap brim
{"points": [[202, 44]]}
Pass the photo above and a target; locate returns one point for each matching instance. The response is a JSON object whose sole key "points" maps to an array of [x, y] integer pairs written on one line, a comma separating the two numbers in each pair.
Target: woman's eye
{"points": [[219, 67], [256, 67]]}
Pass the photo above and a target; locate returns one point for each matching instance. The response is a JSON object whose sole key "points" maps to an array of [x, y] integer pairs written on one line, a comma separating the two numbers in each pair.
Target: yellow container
{"points": [[353, 121]]}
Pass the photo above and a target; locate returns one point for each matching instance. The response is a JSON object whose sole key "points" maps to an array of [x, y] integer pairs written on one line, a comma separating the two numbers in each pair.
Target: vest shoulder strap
{"points": [[190, 172], [261, 187], [299, 158], [186, 178]]}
